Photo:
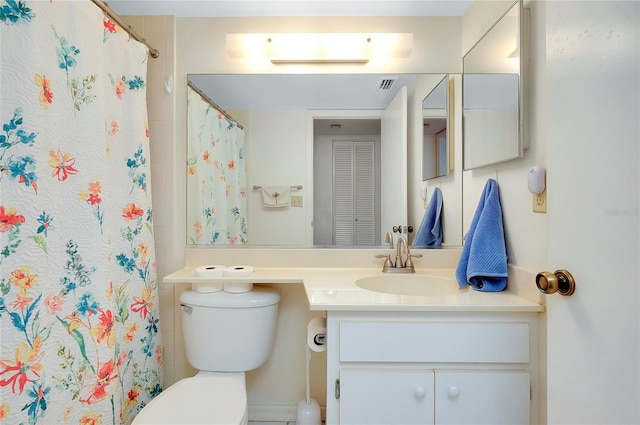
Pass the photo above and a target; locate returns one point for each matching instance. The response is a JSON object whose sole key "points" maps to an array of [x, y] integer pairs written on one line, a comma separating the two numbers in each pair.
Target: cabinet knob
{"points": [[420, 392], [454, 392]]}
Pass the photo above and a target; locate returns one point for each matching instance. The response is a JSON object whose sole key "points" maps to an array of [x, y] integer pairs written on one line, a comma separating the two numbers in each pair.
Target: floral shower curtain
{"points": [[217, 182], [78, 290]]}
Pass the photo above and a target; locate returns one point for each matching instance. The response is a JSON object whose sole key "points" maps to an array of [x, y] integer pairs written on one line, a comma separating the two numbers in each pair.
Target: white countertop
{"points": [[335, 289]]}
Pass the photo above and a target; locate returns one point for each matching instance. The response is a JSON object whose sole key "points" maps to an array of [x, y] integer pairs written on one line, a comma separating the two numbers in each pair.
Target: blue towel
{"points": [[483, 262], [430, 232]]}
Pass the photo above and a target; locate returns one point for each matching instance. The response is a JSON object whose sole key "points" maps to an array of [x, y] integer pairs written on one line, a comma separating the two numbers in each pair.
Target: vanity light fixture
{"points": [[319, 47]]}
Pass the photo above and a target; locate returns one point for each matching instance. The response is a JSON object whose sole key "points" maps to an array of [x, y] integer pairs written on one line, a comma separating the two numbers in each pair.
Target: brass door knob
{"points": [[560, 281]]}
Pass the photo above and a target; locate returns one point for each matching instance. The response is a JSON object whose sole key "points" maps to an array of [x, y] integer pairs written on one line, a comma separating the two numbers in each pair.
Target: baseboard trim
{"points": [[262, 413], [285, 413]]}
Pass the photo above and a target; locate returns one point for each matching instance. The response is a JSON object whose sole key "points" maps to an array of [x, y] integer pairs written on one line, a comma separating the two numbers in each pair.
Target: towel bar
{"points": [[299, 187]]}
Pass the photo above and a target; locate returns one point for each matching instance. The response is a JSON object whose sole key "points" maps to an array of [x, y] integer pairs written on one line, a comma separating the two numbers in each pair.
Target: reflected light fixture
{"points": [[319, 47]]}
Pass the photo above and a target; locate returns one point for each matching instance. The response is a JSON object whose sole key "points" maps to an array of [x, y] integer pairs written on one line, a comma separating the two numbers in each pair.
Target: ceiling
{"points": [[240, 8], [316, 92], [306, 92], [301, 91]]}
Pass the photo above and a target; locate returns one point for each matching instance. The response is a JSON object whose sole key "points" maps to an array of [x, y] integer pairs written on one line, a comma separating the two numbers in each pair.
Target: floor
{"points": [[271, 423]]}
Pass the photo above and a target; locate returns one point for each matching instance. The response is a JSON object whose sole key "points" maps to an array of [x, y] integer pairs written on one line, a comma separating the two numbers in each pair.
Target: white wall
{"points": [[276, 156]]}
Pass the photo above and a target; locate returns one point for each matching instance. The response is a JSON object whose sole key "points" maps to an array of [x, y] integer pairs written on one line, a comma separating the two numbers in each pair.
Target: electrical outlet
{"points": [[540, 202], [296, 201]]}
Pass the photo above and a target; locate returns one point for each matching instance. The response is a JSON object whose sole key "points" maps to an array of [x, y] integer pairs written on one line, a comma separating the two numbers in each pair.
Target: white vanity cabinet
{"points": [[431, 368]]}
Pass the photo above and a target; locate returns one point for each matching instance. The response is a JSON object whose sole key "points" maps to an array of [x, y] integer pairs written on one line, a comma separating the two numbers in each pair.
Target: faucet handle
{"points": [[387, 263], [409, 263], [389, 239]]}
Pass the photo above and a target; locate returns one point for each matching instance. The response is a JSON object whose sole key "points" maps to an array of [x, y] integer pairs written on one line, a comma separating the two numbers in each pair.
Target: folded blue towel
{"points": [[483, 262], [430, 232]]}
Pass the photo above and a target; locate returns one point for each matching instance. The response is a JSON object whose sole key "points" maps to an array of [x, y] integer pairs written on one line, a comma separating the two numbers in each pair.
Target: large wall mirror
{"points": [[492, 94], [305, 134]]}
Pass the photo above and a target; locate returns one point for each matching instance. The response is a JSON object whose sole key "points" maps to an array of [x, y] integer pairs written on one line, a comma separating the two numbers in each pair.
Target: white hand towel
{"points": [[276, 196]]}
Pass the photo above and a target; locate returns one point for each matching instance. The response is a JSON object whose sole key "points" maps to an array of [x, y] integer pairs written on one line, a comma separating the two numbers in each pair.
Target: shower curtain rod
{"points": [[105, 8], [212, 103]]}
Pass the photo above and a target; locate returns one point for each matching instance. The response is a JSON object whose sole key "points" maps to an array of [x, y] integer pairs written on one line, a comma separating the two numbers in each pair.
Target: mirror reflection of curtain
{"points": [[217, 206]]}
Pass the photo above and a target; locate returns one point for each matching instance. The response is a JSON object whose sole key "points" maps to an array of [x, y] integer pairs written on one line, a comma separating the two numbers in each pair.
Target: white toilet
{"points": [[225, 334]]}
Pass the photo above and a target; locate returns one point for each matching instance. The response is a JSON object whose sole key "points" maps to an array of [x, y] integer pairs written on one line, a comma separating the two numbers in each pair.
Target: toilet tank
{"points": [[225, 332]]}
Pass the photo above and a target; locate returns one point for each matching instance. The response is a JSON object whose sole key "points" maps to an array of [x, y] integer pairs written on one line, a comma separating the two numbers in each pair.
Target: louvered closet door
{"points": [[364, 193], [343, 153], [353, 193]]}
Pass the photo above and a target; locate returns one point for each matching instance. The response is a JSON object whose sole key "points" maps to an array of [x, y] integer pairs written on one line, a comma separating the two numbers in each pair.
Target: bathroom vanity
{"points": [[431, 368], [417, 350]]}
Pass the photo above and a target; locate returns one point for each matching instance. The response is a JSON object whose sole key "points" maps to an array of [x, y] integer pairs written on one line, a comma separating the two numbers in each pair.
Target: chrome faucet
{"points": [[400, 265], [401, 241]]}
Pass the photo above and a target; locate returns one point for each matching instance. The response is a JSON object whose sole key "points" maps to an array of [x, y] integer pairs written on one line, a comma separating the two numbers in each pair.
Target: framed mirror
{"points": [[290, 123], [435, 134], [492, 90]]}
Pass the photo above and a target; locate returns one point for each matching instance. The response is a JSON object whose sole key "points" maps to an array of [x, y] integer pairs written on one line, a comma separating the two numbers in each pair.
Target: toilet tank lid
{"points": [[258, 297]]}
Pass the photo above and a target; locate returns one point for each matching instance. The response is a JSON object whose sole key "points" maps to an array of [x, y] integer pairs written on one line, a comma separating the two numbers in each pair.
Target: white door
{"points": [[393, 181], [593, 135]]}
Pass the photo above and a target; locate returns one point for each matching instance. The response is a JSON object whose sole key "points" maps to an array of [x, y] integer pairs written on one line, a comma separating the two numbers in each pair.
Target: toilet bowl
{"points": [[209, 398], [225, 335]]}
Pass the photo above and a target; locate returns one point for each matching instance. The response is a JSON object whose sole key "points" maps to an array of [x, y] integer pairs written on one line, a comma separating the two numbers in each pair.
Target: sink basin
{"points": [[409, 284]]}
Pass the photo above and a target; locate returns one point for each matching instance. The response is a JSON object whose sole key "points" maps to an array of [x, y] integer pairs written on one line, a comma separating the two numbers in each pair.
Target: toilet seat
{"points": [[214, 400]]}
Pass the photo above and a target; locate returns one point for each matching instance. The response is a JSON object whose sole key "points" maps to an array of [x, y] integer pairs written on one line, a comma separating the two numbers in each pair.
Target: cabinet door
{"points": [[482, 397], [386, 396]]}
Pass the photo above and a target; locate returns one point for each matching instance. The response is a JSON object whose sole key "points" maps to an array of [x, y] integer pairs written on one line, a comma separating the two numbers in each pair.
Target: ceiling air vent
{"points": [[387, 83]]}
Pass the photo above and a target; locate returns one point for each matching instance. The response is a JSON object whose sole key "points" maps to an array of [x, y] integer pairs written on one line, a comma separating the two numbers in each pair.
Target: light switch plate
{"points": [[296, 201]]}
